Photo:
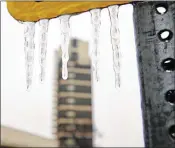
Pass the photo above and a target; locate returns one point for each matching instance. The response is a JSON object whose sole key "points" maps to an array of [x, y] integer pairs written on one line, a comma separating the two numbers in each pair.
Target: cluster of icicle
{"points": [[29, 44]]}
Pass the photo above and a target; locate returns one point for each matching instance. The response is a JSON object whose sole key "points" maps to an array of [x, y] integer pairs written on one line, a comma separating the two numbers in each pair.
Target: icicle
{"points": [[65, 36], [29, 46], [115, 39], [43, 46], [96, 23]]}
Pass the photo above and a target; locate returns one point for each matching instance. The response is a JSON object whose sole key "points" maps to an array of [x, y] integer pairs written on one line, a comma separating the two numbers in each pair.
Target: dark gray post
{"points": [[156, 60]]}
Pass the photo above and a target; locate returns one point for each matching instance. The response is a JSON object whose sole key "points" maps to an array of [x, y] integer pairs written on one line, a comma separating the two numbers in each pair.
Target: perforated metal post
{"points": [[155, 40]]}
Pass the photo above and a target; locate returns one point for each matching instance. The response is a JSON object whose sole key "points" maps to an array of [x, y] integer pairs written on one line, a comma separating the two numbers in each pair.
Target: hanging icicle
{"points": [[115, 39], [29, 46], [65, 37], [43, 46], [96, 23]]}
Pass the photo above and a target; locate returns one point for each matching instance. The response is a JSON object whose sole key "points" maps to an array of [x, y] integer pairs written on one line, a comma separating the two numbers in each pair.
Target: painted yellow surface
{"points": [[34, 11]]}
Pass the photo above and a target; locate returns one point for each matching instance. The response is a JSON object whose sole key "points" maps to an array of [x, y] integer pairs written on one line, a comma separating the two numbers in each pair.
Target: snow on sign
{"points": [[31, 12]]}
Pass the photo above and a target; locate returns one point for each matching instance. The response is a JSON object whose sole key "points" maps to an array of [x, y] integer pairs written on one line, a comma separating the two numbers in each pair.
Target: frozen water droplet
{"points": [[42, 74], [65, 72], [43, 45], [94, 53], [29, 82], [29, 46], [115, 39], [65, 36]]}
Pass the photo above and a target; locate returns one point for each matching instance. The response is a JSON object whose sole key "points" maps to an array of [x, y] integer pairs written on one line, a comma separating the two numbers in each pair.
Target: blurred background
{"points": [[79, 111]]}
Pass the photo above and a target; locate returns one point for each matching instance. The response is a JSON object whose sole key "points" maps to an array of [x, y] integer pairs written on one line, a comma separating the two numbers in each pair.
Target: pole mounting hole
{"points": [[170, 96], [172, 132], [165, 35], [161, 8], [168, 64]]}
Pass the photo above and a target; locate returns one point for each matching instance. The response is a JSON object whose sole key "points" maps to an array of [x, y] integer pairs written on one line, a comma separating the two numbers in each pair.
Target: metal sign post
{"points": [[155, 40]]}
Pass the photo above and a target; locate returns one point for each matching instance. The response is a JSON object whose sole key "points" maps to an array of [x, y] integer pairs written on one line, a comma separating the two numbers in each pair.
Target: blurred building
{"points": [[73, 106], [74, 98]]}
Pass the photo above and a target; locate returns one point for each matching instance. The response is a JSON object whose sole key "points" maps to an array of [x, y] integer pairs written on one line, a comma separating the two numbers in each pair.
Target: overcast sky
{"points": [[117, 113]]}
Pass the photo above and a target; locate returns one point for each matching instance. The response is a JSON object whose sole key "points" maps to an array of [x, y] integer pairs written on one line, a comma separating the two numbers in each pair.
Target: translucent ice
{"points": [[29, 47], [43, 45], [115, 39], [96, 23], [65, 37]]}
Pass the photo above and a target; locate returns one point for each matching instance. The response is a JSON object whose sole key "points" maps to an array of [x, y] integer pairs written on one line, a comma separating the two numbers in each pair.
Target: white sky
{"points": [[117, 113]]}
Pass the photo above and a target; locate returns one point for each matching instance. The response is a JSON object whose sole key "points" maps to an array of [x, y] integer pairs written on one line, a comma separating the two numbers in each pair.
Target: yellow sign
{"points": [[34, 11]]}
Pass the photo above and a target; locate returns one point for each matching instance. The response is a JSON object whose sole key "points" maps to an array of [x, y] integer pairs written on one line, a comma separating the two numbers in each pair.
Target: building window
{"points": [[71, 114], [71, 88], [71, 100], [74, 43], [72, 75], [70, 142], [70, 128], [74, 56]]}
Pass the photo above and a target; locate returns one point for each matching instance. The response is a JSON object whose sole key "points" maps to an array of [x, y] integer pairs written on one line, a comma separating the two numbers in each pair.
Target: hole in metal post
{"points": [[170, 96], [168, 64], [165, 35], [161, 8], [172, 132]]}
